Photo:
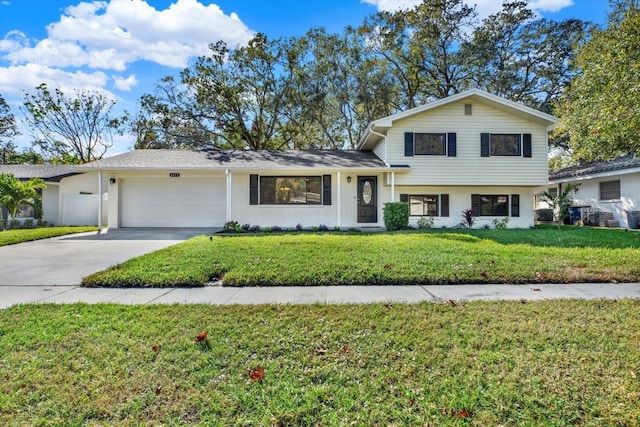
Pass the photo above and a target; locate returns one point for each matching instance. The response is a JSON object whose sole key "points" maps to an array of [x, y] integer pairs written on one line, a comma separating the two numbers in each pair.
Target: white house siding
{"points": [[468, 166], [460, 200], [342, 212], [380, 151], [51, 203], [78, 200]]}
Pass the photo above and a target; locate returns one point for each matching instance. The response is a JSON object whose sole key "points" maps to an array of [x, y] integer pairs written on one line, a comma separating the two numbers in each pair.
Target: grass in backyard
{"points": [[11, 237], [433, 257], [552, 363]]}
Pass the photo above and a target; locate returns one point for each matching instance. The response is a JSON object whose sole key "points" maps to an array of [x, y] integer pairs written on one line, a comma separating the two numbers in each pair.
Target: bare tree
{"points": [[80, 127]]}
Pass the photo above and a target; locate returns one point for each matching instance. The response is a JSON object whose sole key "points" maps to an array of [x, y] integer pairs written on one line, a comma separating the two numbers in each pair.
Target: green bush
{"points": [[501, 224], [396, 216], [425, 222]]}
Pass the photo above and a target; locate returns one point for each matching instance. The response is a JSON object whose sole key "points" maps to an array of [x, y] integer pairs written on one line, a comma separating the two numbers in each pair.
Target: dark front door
{"points": [[367, 199]]}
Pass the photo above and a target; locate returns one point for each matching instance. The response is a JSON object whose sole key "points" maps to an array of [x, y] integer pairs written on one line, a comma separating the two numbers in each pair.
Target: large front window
{"points": [[505, 144], [423, 205], [430, 144], [284, 190], [494, 205]]}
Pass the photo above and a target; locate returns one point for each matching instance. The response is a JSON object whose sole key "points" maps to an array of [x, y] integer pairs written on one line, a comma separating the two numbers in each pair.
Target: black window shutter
{"points": [[484, 145], [526, 145], [515, 205], [404, 198], [408, 143], [253, 189], [451, 144], [475, 204], [326, 189], [444, 205]]}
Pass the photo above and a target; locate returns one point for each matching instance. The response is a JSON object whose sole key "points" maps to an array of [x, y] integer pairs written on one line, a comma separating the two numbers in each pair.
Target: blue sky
{"points": [[123, 47]]}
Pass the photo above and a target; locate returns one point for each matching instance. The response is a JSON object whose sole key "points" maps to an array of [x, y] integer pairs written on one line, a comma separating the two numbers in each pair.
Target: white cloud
{"points": [[111, 35], [19, 78], [125, 84], [483, 7]]}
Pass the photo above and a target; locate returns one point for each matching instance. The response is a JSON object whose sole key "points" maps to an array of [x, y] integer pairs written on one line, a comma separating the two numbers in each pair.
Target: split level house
{"points": [[472, 150]]}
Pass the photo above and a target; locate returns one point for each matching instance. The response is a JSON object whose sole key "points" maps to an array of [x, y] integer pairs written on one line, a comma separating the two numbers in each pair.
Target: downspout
{"points": [[100, 202], [338, 198], [227, 172]]}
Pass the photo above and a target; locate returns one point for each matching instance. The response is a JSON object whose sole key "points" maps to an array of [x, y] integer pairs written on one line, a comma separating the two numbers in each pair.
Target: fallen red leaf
{"points": [[158, 390], [256, 374], [202, 336], [156, 348], [464, 413], [484, 274], [345, 349]]}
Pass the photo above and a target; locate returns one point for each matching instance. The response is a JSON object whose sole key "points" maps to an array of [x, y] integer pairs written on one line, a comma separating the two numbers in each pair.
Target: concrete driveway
{"points": [[65, 260]]}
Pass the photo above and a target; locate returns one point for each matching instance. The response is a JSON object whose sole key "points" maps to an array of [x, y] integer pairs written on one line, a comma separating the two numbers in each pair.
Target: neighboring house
{"points": [[605, 187], [470, 150], [70, 198]]}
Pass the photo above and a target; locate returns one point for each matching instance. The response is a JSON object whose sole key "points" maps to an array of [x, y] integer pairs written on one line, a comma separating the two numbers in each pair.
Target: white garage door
{"points": [[174, 202]]}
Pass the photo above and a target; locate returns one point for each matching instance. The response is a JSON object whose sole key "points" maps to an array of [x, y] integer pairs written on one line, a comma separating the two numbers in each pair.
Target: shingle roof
{"points": [[596, 168], [236, 159], [46, 172]]}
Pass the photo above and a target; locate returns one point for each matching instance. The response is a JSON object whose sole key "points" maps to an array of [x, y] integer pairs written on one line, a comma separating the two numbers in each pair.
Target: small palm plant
{"points": [[15, 193], [561, 202]]}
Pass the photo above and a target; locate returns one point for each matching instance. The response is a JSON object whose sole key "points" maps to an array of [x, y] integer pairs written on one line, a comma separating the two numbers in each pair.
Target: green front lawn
{"points": [[433, 257], [551, 363], [11, 237]]}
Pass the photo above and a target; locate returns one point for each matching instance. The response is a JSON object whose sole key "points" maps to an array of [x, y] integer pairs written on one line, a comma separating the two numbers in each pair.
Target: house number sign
{"points": [[174, 175]]}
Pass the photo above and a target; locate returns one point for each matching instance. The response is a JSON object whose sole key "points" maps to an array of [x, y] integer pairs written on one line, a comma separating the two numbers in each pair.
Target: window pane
{"points": [[505, 144], [416, 206], [500, 206], [610, 190], [430, 143], [423, 205], [491, 205], [290, 190]]}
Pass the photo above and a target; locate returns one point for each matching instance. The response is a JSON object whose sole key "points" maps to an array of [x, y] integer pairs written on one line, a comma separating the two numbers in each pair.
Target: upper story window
{"points": [[610, 190], [432, 144], [505, 144]]}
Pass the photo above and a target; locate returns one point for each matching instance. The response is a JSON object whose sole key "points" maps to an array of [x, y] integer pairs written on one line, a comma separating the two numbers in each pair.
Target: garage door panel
{"points": [[173, 202]]}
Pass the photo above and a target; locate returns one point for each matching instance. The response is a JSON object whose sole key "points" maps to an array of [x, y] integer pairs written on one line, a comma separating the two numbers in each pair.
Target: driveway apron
{"points": [[65, 260]]}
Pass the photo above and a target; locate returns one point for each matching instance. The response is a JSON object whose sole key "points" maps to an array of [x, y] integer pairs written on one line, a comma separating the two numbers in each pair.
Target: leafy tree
{"points": [[170, 118], [527, 60], [421, 47], [599, 111], [15, 193], [80, 126], [8, 130]]}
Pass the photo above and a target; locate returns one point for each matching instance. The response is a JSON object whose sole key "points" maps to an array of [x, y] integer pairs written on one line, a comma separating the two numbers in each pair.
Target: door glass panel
{"points": [[367, 192]]}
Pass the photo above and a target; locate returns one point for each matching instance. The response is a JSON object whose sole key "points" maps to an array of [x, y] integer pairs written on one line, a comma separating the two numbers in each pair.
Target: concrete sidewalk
{"points": [[10, 295]]}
